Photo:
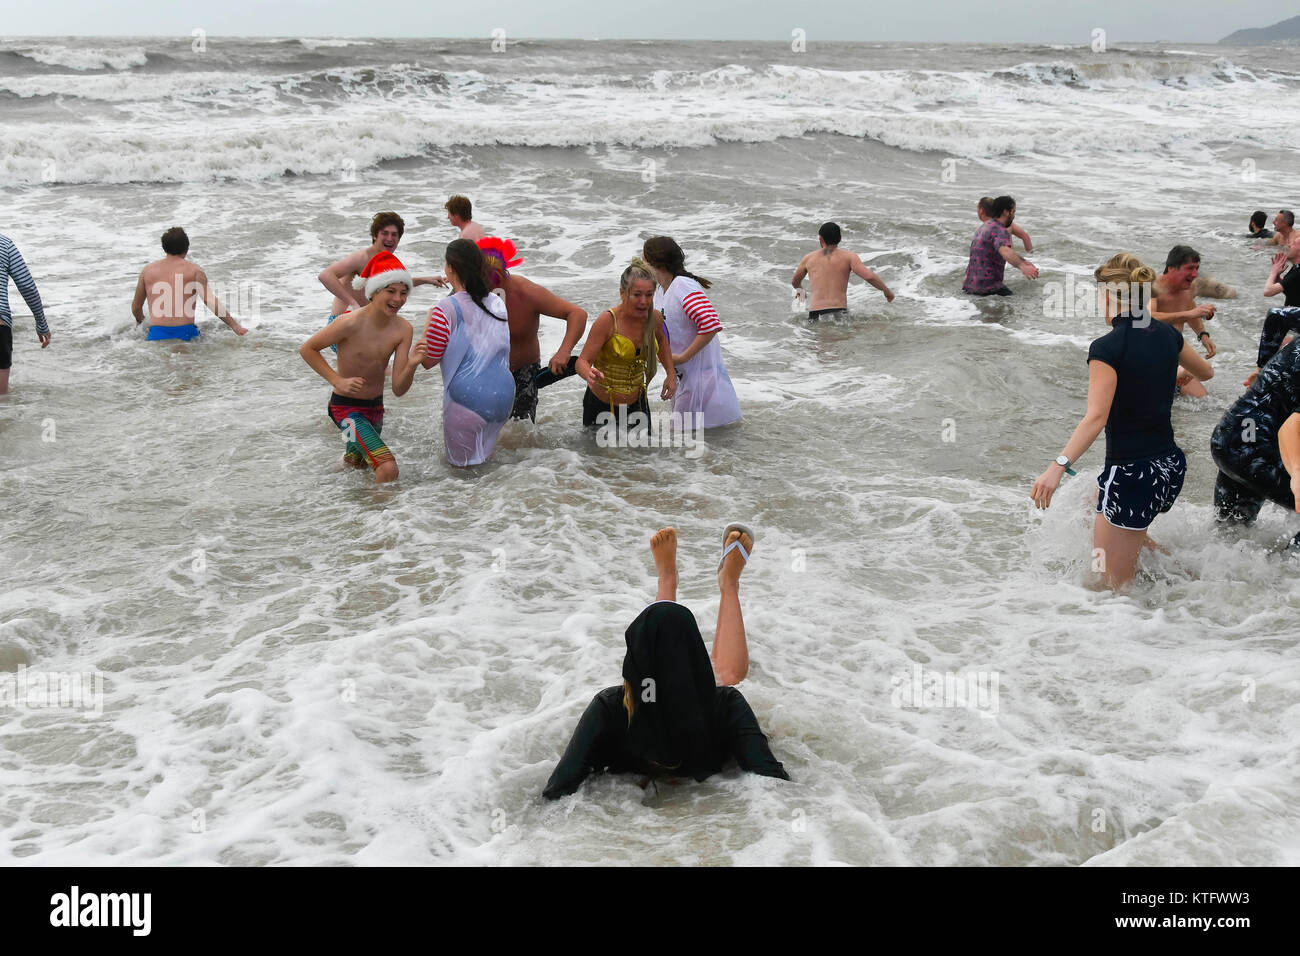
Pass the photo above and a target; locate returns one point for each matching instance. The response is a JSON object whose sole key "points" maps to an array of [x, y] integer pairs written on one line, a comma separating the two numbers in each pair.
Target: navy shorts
{"points": [[6, 346], [1132, 495]]}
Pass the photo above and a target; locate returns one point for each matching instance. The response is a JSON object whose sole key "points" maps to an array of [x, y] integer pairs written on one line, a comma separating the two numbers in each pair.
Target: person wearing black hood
{"points": [[675, 713]]}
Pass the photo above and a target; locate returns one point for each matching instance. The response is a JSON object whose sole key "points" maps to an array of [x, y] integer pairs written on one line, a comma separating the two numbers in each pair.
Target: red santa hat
{"points": [[384, 269]]}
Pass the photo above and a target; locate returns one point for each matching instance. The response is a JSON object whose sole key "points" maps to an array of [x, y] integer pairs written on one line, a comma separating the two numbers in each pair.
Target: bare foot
{"points": [[734, 563], [663, 545]]}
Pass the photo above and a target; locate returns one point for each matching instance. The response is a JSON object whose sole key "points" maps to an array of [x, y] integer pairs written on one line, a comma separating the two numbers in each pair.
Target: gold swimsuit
{"points": [[622, 364]]}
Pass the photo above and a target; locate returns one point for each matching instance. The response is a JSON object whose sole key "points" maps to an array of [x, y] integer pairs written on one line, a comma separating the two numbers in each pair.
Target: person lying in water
{"points": [[676, 713]]}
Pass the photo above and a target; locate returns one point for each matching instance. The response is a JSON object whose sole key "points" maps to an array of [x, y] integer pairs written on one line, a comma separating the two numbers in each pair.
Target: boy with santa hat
{"points": [[367, 339]]}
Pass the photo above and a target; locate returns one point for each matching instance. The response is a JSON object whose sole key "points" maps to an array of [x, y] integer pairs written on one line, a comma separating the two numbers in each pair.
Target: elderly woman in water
{"points": [[618, 361]]}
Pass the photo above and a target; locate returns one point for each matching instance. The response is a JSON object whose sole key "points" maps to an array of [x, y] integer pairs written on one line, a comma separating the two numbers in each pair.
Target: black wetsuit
{"points": [[1290, 282], [1245, 443], [599, 744]]}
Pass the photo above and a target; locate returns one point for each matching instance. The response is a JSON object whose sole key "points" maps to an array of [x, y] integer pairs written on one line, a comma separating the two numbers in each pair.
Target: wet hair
{"points": [[986, 205], [1287, 215], [1258, 218], [830, 231], [1129, 278], [460, 206], [383, 220], [466, 259], [1179, 256], [662, 252], [1001, 205], [175, 242], [638, 271]]}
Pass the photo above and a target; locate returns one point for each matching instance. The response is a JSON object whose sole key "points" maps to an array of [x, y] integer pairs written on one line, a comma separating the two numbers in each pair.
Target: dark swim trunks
{"points": [[1001, 290], [832, 313], [1133, 494], [6, 346], [531, 377], [593, 406]]}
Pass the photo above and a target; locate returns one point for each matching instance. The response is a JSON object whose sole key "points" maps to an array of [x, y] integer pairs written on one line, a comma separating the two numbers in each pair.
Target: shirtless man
{"points": [[1174, 302], [828, 272], [526, 303], [386, 231], [174, 286], [460, 213], [1283, 230]]}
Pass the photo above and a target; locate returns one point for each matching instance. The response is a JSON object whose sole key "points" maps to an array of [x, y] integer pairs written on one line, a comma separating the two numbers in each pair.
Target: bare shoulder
{"points": [[353, 262]]}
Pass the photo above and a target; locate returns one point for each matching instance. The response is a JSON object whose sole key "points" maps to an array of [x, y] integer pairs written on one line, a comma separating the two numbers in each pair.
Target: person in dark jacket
{"points": [[675, 713]]}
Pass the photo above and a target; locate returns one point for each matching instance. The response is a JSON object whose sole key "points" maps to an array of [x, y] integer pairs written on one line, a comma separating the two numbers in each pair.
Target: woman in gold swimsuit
{"points": [[618, 361]]}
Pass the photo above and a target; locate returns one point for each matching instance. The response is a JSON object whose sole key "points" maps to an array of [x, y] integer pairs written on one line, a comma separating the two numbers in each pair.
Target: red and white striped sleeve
{"points": [[700, 311], [436, 334]]}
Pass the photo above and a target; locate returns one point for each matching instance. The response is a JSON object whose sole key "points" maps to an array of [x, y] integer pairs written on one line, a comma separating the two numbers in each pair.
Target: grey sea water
{"points": [[297, 667]]}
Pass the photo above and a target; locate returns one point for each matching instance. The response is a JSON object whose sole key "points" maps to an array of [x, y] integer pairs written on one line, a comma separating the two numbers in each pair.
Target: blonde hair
{"points": [[1129, 279], [637, 271], [629, 700]]}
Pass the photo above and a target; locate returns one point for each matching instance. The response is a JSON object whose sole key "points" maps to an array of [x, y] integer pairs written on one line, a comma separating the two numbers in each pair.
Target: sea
{"points": [[219, 646]]}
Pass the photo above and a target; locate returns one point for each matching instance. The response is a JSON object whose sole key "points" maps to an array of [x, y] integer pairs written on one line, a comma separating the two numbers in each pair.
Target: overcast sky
{"points": [[954, 21]]}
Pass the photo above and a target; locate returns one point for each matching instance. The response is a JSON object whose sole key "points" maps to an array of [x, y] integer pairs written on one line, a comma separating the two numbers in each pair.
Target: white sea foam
{"points": [[302, 669]]}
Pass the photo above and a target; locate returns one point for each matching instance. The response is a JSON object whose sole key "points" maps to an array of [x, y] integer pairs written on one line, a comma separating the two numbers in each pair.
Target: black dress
{"points": [[682, 723]]}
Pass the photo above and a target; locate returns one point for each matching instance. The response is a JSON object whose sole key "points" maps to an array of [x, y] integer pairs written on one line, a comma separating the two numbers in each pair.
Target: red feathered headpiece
{"points": [[505, 248]]}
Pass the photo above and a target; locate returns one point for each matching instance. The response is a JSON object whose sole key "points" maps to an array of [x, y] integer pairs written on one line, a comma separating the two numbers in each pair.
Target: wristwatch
{"points": [[1202, 335], [1065, 463]]}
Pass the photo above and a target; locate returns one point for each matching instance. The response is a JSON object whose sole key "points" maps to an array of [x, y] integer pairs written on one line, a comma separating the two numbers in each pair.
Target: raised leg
{"points": [[730, 649], [663, 545]]}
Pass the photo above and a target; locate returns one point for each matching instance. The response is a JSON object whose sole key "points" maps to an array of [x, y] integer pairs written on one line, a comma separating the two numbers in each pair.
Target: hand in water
{"points": [[1045, 487], [1030, 270]]}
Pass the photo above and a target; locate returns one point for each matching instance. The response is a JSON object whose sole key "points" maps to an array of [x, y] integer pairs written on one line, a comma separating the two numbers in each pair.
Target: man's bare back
{"points": [[173, 287], [828, 270], [526, 303]]}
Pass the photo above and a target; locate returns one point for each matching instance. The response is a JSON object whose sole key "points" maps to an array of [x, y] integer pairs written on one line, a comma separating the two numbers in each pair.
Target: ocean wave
{"points": [[349, 118], [87, 58]]}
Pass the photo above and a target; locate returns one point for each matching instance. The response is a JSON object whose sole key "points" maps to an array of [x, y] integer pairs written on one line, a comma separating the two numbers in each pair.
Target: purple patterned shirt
{"points": [[984, 274]]}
